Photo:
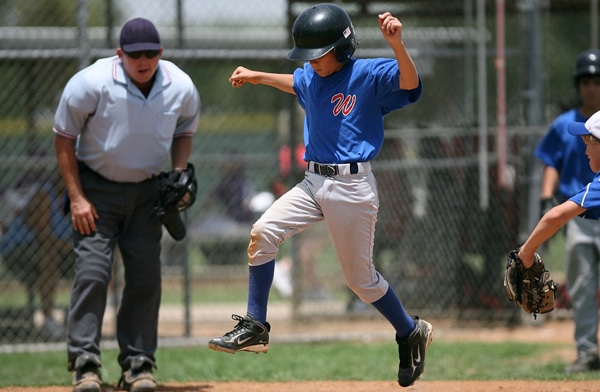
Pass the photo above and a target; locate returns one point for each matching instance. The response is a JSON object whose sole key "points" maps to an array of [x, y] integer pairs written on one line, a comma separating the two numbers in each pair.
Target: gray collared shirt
{"points": [[121, 134]]}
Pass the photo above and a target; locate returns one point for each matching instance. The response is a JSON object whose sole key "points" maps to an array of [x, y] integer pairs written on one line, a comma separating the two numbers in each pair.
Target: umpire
{"points": [[116, 125]]}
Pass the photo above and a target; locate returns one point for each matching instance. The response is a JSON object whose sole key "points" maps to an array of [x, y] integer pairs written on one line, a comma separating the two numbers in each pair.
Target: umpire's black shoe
{"points": [[411, 351], [248, 335], [586, 362]]}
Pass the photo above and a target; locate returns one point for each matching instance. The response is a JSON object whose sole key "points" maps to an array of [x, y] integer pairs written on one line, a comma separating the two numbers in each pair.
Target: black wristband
{"points": [[546, 205]]}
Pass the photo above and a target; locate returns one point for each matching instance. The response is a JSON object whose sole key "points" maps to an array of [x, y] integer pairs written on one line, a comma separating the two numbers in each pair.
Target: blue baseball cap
{"points": [[139, 34], [590, 127]]}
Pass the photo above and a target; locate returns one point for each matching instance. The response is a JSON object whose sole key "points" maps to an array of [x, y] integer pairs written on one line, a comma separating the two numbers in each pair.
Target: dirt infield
{"points": [[362, 386]]}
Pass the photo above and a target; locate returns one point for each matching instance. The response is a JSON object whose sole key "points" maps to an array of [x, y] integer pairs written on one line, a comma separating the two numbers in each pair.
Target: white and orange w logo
{"points": [[343, 104]]}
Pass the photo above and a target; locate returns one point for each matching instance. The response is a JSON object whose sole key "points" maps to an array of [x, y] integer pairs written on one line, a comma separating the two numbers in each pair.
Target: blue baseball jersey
{"points": [[589, 198], [566, 153], [121, 134], [344, 112]]}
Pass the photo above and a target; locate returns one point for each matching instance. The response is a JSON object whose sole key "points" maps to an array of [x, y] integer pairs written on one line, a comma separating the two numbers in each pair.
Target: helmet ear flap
{"points": [[344, 52]]}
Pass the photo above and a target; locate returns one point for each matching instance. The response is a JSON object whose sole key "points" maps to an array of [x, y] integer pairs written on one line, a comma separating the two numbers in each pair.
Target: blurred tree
{"points": [[51, 12]]}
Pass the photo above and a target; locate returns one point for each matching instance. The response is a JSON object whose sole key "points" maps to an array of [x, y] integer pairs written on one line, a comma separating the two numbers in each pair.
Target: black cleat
{"points": [[411, 351], [248, 335]]}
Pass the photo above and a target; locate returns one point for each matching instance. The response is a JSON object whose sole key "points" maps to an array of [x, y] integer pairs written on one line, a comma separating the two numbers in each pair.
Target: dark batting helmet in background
{"points": [[587, 64], [320, 29]]}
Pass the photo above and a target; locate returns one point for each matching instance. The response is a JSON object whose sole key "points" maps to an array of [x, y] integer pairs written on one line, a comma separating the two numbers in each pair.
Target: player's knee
{"points": [[368, 291], [263, 245]]}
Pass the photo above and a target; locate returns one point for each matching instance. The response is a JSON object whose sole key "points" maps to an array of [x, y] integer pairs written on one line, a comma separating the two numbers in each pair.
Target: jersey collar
{"points": [[162, 79]]}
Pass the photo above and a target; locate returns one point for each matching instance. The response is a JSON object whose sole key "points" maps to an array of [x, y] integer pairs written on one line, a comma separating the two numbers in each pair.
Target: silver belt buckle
{"points": [[330, 170]]}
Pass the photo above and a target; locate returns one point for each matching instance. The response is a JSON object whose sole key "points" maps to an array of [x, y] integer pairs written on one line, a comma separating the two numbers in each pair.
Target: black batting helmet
{"points": [[320, 29], [587, 64]]}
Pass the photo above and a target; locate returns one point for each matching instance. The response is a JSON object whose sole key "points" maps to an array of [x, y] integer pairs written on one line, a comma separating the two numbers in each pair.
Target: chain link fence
{"points": [[458, 181]]}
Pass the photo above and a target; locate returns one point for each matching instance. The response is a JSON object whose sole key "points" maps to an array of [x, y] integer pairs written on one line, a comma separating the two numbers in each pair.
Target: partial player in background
{"points": [[345, 100], [118, 122], [584, 204], [37, 246], [566, 171]]}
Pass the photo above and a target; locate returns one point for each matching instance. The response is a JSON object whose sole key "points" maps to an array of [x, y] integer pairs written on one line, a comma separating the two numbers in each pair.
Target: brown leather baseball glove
{"points": [[531, 288]]}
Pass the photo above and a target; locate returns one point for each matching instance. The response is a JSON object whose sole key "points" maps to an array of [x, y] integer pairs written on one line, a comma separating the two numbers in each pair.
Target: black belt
{"points": [[331, 170]]}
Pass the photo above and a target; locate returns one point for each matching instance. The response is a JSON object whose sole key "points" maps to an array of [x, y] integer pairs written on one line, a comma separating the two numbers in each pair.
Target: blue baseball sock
{"points": [[260, 278], [391, 308]]}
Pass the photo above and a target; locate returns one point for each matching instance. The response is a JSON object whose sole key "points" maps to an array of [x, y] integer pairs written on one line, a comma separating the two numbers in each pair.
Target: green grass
{"points": [[323, 361]]}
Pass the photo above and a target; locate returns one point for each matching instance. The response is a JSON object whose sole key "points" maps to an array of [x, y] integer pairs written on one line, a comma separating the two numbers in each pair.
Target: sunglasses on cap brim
{"points": [[149, 54]]}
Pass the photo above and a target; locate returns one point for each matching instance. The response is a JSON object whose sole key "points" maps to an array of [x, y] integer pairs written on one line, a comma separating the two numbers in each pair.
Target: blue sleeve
{"points": [[299, 85], [589, 198], [387, 79]]}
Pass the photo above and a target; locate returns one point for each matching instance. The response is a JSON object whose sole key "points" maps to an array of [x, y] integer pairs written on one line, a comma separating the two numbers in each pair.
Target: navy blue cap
{"points": [[139, 34]]}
